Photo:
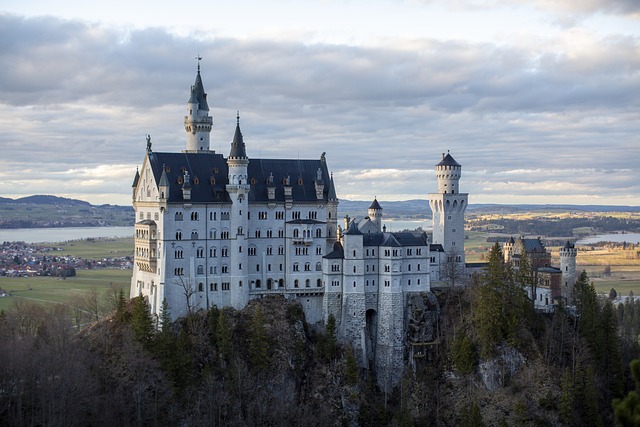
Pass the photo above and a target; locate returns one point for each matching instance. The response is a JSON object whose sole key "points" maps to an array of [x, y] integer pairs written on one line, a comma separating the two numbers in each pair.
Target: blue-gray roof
{"points": [[448, 160], [208, 174], [198, 94], [336, 253], [238, 150]]}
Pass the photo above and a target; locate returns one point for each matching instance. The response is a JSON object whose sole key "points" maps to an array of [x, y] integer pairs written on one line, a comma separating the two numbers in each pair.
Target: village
{"points": [[20, 259]]}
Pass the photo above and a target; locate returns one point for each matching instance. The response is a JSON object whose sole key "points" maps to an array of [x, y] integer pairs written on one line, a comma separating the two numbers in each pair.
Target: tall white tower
{"points": [[197, 122], [238, 189], [448, 206], [568, 254]]}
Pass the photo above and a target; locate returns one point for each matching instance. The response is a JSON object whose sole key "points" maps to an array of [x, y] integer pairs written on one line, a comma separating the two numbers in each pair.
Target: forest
{"points": [[496, 362]]}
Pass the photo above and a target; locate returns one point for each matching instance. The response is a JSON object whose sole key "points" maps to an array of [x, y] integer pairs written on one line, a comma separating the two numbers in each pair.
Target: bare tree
{"points": [[452, 270], [188, 291]]}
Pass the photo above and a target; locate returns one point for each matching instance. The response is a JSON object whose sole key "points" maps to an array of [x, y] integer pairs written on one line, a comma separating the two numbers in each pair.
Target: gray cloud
{"points": [[76, 96]]}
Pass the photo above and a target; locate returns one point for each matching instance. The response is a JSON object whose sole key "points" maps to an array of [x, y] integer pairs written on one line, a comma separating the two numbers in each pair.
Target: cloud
{"points": [[77, 99]]}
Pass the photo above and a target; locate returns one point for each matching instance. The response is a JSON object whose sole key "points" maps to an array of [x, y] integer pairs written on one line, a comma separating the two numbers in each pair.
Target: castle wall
{"points": [[389, 359]]}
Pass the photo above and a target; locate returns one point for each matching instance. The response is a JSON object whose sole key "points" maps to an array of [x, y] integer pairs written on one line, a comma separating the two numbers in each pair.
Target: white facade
{"points": [[219, 231]]}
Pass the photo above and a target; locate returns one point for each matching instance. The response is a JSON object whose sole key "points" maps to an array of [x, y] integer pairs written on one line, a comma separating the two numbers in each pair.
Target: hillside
{"points": [[52, 211], [263, 365]]}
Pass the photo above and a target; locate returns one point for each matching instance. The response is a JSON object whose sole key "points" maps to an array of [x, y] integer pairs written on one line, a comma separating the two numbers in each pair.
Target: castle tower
{"points": [[238, 189], [568, 254], [353, 297], [197, 122], [448, 206], [508, 249], [375, 213]]}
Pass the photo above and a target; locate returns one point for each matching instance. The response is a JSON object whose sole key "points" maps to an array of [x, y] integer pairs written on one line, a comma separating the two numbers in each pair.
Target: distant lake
{"points": [[427, 225], [617, 237], [62, 234]]}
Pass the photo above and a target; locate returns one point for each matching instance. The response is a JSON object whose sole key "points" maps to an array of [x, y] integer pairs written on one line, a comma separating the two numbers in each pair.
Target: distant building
{"points": [[553, 284]]}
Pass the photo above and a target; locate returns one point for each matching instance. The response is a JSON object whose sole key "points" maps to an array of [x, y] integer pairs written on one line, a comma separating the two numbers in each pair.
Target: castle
{"points": [[550, 284], [215, 231]]}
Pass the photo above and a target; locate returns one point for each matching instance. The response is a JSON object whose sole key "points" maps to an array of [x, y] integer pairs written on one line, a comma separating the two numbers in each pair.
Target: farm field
{"points": [[48, 290], [97, 249], [624, 265]]}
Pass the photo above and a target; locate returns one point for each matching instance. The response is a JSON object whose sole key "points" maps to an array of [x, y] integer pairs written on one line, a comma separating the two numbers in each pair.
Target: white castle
{"points": [[215, 231]]}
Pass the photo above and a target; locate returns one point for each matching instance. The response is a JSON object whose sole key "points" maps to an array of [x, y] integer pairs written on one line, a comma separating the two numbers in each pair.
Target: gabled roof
{"points": [[208, 176], [411, 239], [301, 175], [336, 253], [353, 229], [533, 245]]}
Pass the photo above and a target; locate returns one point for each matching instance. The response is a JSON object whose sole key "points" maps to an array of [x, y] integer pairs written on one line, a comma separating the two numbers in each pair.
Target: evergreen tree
{"points": [[471, 416], [351, 368], [566, 404], [165, 316], [327, 344], [259, 342], [463, 353], [141, 321], [587, 313], [610, 366], [121, 307], [627, 410], [488, 319], [224, 337]]}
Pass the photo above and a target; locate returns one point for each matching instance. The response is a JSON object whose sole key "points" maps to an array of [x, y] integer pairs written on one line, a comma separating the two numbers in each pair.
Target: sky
{"points": [[538, 100]]}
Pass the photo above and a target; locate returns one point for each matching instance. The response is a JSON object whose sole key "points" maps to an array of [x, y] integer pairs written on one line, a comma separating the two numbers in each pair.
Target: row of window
{"points": [[224, 235]]}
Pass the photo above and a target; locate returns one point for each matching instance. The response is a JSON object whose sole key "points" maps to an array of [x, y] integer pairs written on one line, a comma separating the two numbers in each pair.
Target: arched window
{"points": [[307, 283], [319, 232], [295, 232], [200, 270], [194, 235], [319, 283], [295, 283], [258, 283]]}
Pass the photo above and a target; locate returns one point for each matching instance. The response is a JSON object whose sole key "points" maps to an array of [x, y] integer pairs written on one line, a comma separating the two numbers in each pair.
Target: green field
{"points": [[47, 290], [97, 248]]}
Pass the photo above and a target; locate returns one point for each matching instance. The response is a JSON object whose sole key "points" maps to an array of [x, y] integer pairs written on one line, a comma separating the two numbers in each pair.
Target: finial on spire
{"points": [[238, 117], [148, 142], [198, 58]]}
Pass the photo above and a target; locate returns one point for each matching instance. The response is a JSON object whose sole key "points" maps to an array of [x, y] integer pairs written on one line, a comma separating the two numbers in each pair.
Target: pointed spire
{"points": [[198, 95], [238, 150], [136, 179], [164, 180], [332, 190], [375, 205]]}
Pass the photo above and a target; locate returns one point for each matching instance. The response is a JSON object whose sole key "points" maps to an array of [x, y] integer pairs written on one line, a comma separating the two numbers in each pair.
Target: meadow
{"points": [[55, 290], [97, 249]]}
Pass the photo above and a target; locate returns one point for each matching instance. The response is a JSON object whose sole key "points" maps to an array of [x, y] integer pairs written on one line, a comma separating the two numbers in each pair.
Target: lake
{"points": [[617, 237], [62, 234]]}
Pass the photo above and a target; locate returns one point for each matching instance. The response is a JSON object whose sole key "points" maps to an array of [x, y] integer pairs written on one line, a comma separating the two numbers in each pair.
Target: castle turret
{"points": [[197, 122], [375, 213], [568, 254], [238, 189], [448, 206]]}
